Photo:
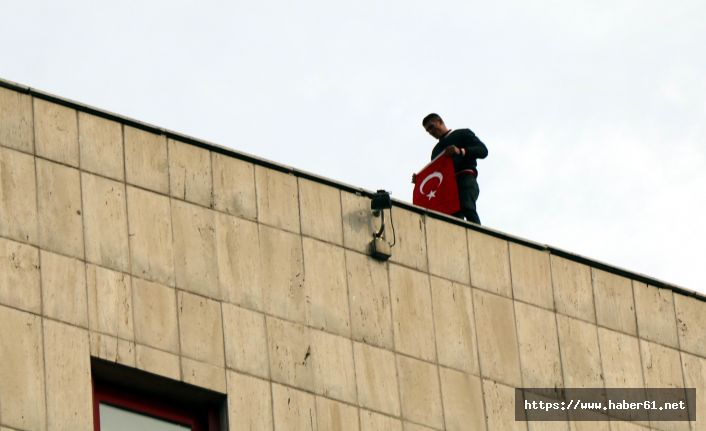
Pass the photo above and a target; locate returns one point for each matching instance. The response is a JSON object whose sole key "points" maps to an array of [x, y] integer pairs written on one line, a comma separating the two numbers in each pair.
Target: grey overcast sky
{"points": [[594, 112]]}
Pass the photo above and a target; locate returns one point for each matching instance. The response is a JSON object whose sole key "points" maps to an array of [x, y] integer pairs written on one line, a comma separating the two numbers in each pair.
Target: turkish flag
{"points": [[435, 187]]}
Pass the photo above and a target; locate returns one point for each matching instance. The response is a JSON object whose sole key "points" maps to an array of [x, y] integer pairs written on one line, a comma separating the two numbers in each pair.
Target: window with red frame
{"points": [[126, 399]]}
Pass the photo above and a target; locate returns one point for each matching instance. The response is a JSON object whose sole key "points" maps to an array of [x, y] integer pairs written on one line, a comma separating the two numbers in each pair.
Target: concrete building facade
{"points": [[125, 244]]}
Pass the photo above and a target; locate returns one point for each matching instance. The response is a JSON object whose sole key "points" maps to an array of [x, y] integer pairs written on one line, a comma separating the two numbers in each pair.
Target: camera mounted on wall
{"points": [[380, 249]]}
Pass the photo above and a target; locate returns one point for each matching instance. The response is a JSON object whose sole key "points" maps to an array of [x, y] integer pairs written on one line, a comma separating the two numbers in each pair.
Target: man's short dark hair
{"points": [[431, 117]]}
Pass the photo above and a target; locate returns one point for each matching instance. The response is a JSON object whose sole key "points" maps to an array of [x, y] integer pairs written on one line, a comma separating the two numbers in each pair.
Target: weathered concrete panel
{"points": [[19, 276], [16, 124], [615, 308], [500, 407], [200, 328], [662, 367], [64, 288], [157, 362], [320, 211], [150, 228], [325, 287], [620, 354], [369, 299], [68, 374], [249, 403], [56, 132], [412, 313], [146, 163], [454, 325], [531, 275], [409, 426], [293, 410], [490, 263], [155, 315], [463, 401], [18, 196], [60, 220], [234, 186], [656, 320], [290, 350], [101, 146], [112, 349], [238, 258], [448, 250], [109, 302], [281, 274], [105, 222], [22, 402], [539, 347], [419, 392], [190, 173], [277, 199], [204, 375], [695, 377], [195, 262], [371, 421], [411, 246], [497, 338], [245, 340], [334, 372], [376, 376], [580, 356], [335, 416], [573, 294], [691, 321]]}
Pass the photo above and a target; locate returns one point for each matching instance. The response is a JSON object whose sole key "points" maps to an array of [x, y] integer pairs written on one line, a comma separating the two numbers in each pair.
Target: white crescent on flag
{"points": [[432, 193]]}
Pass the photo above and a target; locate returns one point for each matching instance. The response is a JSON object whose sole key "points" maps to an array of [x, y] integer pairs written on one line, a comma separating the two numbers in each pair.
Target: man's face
{"points": [[435, 128]]}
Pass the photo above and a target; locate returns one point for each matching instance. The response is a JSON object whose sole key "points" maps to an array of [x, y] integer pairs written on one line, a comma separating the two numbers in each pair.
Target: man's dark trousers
{"points": [[468, 192]]}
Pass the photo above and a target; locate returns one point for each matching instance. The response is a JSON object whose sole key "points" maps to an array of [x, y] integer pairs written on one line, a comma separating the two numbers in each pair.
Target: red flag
{"points": [[435, 187]]}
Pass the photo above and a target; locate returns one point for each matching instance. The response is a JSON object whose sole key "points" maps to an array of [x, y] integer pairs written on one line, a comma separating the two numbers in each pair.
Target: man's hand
{"points": [[414, 178], [452, 150]]}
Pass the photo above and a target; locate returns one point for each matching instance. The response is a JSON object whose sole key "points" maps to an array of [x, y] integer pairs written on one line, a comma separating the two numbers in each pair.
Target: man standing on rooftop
{"points": [[464, 147]]}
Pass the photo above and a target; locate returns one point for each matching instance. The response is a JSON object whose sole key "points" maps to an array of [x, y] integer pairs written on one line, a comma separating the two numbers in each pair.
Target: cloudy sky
{"points": [[594, 112]]}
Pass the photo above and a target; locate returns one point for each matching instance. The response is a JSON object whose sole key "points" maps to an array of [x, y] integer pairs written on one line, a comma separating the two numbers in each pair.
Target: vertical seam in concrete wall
{"points": [[514, 320], [83, 236], [475, 334], [257, 205], [595, 316], [41, 287], [301, 244], [87, 333], [176, 290], [306, 289], [392, 328], [676, 318], [224, 423], [637, 334], [211, 199], [556, 327], [265, 316], [679, 349], [394, 342], [269, 373], [514, 315], [129, 242], [433, 322], [348, 304]]}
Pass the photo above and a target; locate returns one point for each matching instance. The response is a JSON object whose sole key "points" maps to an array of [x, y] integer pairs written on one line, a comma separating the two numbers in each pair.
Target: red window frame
{"points": [[198, 419]]}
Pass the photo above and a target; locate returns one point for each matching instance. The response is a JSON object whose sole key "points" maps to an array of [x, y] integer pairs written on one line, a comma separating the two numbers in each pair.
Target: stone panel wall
{"points": [[137, 248]]}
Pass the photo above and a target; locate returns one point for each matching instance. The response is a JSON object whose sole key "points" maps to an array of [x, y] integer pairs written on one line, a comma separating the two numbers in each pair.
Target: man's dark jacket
{"points": [[466, 139]]}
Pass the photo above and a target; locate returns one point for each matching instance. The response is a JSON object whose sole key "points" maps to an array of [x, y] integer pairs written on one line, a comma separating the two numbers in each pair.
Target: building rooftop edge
{"points": [[343, 186]]}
